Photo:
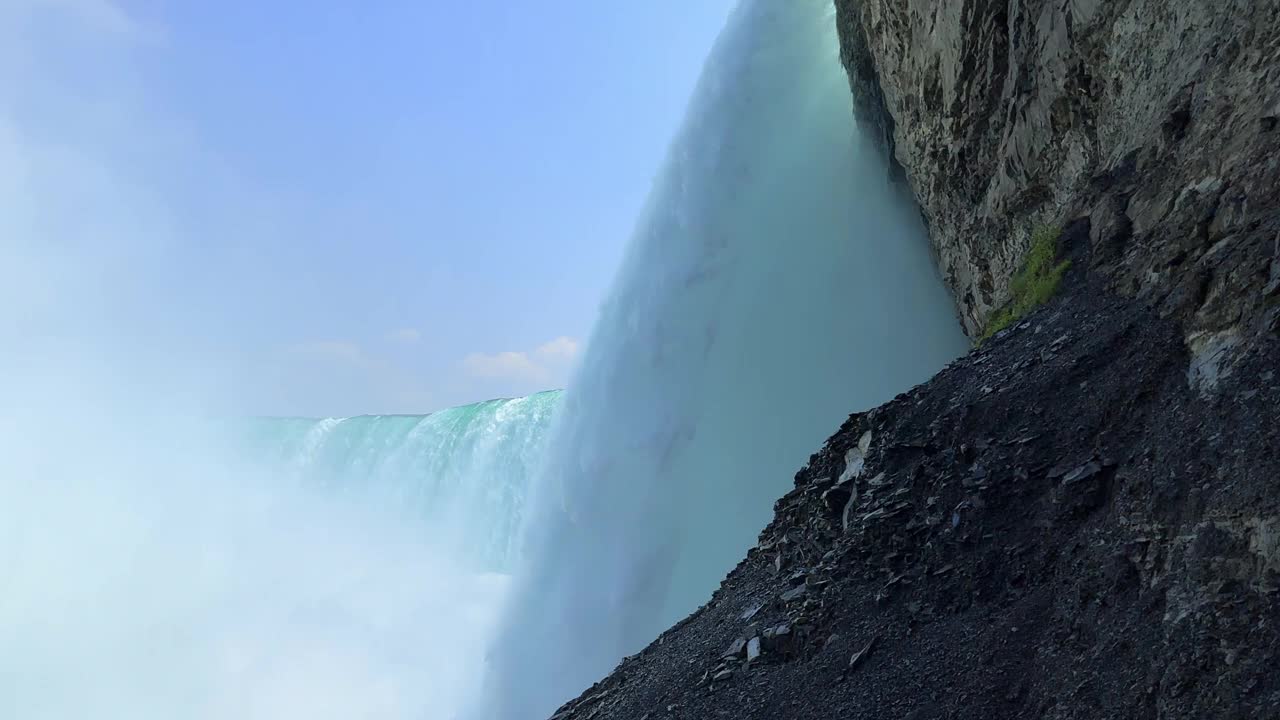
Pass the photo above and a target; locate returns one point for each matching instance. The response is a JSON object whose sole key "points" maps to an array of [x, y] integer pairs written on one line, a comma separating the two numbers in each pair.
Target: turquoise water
{"points": [[383, 566], [463, 473], [774, 284]]}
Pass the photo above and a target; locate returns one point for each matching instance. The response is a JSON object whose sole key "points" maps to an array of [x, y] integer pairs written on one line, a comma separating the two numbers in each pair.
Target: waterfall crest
{"points": [[775, 283]]}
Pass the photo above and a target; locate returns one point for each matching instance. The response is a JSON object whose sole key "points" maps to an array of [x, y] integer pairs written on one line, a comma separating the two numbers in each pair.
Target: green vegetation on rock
{"points": [[1034, 284]]}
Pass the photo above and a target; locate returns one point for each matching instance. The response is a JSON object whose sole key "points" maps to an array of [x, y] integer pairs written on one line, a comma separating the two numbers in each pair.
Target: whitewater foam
{"points": [[461, 472], [356, 567], [775, 283]]}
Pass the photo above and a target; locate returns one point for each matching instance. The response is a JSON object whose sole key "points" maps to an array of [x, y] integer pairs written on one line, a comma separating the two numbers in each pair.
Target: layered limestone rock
{"points": [[1153, 121]]}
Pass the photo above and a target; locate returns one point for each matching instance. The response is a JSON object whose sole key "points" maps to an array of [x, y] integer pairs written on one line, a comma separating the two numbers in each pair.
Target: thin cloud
{"points": [[347, 352], [101, 16], [546, 365], [358, 380], [407, 336], [560, 350], [504, 366]]}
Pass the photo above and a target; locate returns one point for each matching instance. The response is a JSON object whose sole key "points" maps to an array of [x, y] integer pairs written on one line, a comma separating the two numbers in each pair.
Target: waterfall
{"points": [[775, 283], [460, 473], [493, 559]]}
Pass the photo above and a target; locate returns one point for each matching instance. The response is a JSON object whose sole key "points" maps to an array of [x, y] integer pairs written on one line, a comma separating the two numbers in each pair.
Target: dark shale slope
{"points": [[1072, 522]]}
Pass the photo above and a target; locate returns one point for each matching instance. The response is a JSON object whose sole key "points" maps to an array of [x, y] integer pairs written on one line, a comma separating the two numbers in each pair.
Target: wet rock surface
{"points": [[1059, 525], [1152, 123]]}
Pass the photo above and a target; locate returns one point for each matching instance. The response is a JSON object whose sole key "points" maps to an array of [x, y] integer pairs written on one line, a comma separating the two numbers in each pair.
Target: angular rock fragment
{"points": [[794, 594], [735, 649], [1083, 472], [855, 459], [862, 654]]}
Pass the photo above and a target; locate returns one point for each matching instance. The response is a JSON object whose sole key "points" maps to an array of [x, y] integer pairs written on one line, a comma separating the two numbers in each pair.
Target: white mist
{"points": [[146, 571], [775, 284]]}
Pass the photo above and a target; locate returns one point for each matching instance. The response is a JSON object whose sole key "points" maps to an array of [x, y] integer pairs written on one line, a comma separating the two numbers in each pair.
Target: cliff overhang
{"points": [[1153, 120]]}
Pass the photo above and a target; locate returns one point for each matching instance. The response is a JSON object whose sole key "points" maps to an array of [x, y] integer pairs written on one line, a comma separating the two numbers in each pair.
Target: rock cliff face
{"points": [[1153, 120]]}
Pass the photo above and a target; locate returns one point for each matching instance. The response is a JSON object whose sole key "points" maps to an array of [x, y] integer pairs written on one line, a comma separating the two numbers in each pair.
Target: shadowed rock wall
{"points": [[1153, 120]]}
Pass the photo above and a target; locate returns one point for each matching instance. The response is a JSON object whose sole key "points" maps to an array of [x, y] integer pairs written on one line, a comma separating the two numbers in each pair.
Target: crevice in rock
{"points": [[870, 110]]}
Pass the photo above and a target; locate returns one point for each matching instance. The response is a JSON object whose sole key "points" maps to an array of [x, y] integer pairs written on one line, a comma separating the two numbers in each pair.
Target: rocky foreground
{"points": [[1078, 520]]}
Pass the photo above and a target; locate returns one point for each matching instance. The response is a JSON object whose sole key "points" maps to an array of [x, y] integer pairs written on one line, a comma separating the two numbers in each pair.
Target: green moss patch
{"points": [[1034, 284]]}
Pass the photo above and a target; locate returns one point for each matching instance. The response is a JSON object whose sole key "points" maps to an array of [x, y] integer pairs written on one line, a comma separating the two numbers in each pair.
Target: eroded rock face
{"points": [[1154, 122]]}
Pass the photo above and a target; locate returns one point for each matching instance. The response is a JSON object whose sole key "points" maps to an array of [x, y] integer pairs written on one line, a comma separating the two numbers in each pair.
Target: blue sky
{"points": [[341, 207]]}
